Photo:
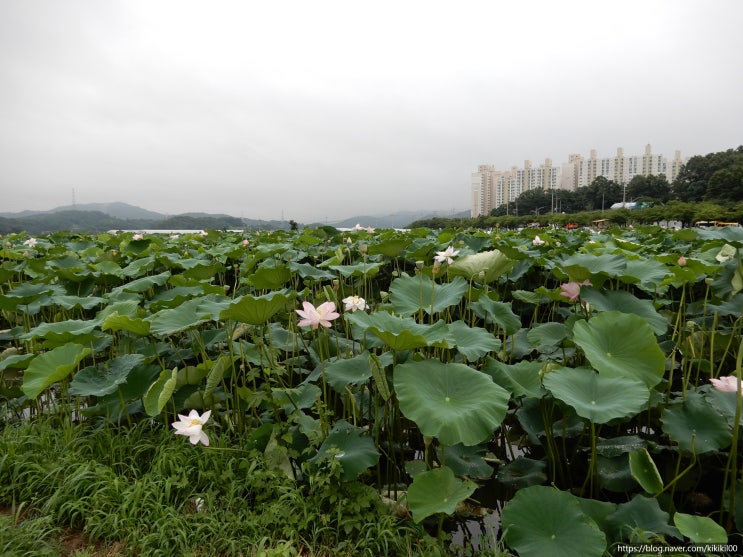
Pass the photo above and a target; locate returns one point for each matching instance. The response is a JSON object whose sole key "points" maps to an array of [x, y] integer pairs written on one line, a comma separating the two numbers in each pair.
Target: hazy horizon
{"points": [[315, 111]]}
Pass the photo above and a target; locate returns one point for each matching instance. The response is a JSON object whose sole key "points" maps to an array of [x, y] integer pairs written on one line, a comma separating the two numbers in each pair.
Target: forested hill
{"points": [[97, 221]]}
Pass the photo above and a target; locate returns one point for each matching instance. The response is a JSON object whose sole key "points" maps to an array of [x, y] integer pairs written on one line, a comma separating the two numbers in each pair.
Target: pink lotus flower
{"points": [[191, 426], [137, 236], [315, 316], [726, 384], [571, 290]]}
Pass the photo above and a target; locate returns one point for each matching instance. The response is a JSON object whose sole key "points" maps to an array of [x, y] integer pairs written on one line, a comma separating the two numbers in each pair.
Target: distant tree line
{"points": [[96, 221], [708, 187]]}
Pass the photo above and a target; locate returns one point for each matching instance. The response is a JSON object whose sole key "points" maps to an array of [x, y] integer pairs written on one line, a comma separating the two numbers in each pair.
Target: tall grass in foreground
{"points": [[150, 494]]}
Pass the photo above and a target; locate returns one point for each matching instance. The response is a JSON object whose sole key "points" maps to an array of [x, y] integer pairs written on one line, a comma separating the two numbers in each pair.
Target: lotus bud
{"points": [[363, 248], [681, 261]]}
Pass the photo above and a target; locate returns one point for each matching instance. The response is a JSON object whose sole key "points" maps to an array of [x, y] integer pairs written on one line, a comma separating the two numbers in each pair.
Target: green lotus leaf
{"points": [[61, 329], [725, 403], [499, 313], [138, 267], [614, 473], [50, 367], [523, 472], [694, 423], [615, 446], [643, 469], [648, 274], [700, 529], [351, 446], [307, 271], [483, 267], [452, 402], [391, 247], [359, 270], [348, 371], [160, 391], [522, 379], [409, 295], [92, 381], [641, 520], [437, 491], [542, 520], [466, 461], [116, 322], [143, 284], [547, 335], [582, 266], [71, 302], [626, 302], [595, 397], [255, 310], [401, 333], [219, 369], [473, 342], [187, 315], [621, 345], [298, 398], [270, 276]]}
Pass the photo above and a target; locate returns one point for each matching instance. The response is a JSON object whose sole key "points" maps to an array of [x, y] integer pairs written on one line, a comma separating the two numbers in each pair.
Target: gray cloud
{"points": [[331, 109]]}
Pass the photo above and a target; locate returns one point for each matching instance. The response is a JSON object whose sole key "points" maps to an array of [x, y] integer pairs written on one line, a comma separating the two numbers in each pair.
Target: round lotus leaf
{"points": [[597, 398], [437, 491], [452, 402], [621, 345], [542, 520]]}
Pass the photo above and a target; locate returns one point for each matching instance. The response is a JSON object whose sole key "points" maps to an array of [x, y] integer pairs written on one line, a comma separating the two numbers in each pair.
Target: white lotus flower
{"points": [[446, 255], [354, 302], [537, 241], [31, 242], [191, 426]]}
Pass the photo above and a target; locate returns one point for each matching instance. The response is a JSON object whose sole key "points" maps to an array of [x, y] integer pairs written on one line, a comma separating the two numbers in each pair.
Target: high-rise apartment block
{"points": [[492, 188]]}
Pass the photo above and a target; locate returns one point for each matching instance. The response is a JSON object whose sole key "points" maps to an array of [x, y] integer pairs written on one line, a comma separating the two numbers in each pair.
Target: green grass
{"points": [[135, 489]]}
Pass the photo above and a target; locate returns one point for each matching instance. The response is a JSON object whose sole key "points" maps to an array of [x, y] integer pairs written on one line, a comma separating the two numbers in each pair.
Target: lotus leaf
{"points": [[523, 472], [255, 310], [621, 345], [160, 391], [50, 367], [499, 313], [695, 425], [473, 342], [409, 295], [595, 397], [483, 267], [542, 520], [466, 461], [452, 402], [643, 469], [437, 491], [700, 529], [351, 446], [640, 520], [91, 381], [401, 333]]}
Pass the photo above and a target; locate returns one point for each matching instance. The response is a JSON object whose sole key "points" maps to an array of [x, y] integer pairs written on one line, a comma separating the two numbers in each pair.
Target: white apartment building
{"points": [[492, 188]]}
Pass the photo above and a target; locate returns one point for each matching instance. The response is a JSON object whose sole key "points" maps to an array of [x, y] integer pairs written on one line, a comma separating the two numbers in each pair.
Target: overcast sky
{"points": [[316, 110]]}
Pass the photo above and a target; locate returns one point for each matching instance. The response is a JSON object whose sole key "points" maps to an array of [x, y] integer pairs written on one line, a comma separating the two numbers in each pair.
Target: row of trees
{"points": [[715, 178]]}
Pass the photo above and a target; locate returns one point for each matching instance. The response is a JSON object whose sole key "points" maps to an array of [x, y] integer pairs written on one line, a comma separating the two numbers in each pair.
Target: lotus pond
{"points": [[552, 390]]}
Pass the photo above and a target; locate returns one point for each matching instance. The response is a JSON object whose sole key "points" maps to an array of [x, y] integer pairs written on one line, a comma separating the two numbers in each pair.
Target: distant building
{"points": [[492, 188]]}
